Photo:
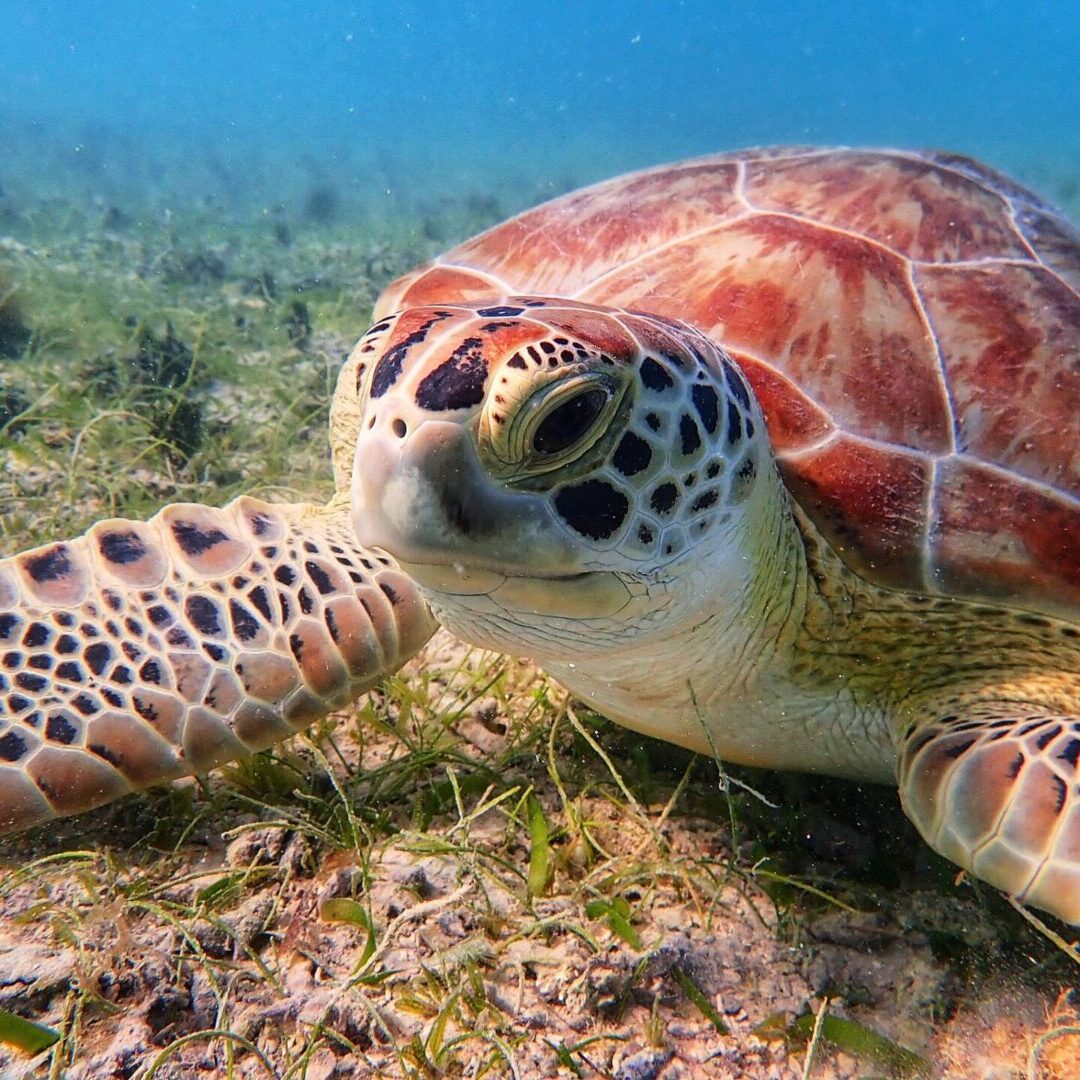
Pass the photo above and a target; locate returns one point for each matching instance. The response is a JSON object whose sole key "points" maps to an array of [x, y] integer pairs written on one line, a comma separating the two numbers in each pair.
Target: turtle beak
{"points": [[426, 499]]}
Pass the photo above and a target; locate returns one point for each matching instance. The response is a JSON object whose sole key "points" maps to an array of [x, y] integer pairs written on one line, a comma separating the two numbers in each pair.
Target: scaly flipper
{"points": [[996, 791], [144, 651]]}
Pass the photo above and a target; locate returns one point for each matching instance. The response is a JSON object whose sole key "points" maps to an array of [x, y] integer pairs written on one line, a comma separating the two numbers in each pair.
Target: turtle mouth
{"points": [[589, 594]]}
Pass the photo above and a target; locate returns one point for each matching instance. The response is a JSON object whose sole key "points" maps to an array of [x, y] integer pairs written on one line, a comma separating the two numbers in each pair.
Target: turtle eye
{"points": [[569, 422]]}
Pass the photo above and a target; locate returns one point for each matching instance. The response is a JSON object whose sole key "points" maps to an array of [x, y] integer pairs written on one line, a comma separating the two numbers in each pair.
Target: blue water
{"points": [[437, 92]]}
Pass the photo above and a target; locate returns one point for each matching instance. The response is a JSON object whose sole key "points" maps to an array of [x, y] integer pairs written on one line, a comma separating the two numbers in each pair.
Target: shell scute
{"points": [[853, 320], [996, 536], [923, 212], [870, 501], [1013, 364], [565, 244]]}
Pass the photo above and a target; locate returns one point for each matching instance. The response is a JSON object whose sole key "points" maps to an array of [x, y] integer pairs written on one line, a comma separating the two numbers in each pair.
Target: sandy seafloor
{"points": [[170, 332]]}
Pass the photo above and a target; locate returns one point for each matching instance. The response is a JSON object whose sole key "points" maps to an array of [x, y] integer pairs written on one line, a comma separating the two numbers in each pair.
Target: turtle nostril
{"points": [[400, 428]]}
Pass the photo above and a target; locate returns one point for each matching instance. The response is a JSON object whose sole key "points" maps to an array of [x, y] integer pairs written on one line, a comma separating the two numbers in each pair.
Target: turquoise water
{"points": [[446, 94]]}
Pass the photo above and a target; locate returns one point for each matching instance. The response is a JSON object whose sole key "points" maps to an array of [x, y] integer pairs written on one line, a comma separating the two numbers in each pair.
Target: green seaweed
{"points": [[25, 1035]]}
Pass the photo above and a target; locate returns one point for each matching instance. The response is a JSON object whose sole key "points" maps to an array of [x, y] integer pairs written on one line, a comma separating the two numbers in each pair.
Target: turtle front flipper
{"points": [[144, 651], [995, 790]]}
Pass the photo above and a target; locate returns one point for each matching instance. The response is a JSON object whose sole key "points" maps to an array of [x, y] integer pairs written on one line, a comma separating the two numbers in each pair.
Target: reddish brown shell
{"points": [[910, 322]]}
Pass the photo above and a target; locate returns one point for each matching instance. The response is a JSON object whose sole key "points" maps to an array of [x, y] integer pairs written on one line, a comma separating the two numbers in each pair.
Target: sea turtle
{"points": [[772, 454]]}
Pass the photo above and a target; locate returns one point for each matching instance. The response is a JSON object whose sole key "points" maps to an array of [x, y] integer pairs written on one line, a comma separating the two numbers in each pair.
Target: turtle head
{"points": [[543, 466]]}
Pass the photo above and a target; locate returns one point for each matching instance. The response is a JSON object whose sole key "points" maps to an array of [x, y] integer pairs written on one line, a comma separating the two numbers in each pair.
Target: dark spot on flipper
{"points": [[1032, 725], [30, 682], [592, 508], [245, 625], [1015, 766], [1060, 793], [195, 541], [517, 361], [121, 675], [708, 406], [40, 662], [654, 376], [12, 746], [98, 656], [319, 578], [663, 498], [150, 672], [296, 646], [260, 600], [285, 575], [389, 593], [37, 634], [645, 534], [632, 455], [713, 471], [689, 436], [1048, 736], [59, 728], [179, 638], [144, 708], [85, 704], [215, 652], [457, 383], [332, 626], [105, 754], [1071, 753], [259, 523], [499, 312], [958, 749], [203, 614], [121, 548], [159, 616], [306, 603], [70, 671], [49, 565]]}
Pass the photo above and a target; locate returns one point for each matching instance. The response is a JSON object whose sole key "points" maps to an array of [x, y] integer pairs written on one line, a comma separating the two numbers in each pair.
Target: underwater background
{"points": [[200, 201], [249, 102]]}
